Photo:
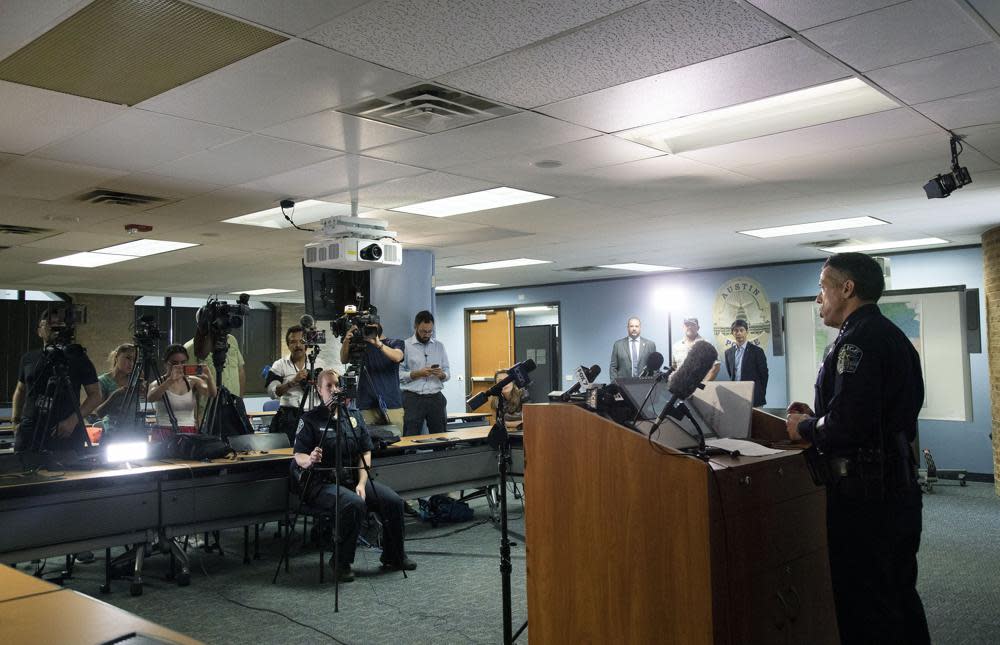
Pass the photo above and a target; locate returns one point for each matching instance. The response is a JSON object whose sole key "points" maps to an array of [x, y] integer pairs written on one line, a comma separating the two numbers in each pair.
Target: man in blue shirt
{"points": [[422, 375], [379, 397]]}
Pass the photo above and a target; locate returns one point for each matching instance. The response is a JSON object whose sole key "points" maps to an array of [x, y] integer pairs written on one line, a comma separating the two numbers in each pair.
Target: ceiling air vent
{"points": [[10, 229], [102, 196], [828, 243], [428, 108], [583, 269]]}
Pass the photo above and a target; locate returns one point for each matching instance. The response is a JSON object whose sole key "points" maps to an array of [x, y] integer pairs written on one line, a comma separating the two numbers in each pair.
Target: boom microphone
{"points": [[584, 377], [686, 378], [653, 364]]}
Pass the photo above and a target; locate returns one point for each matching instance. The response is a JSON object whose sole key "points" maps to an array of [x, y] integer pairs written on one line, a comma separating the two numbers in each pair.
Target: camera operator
{"points": [[379, 397], [33, 375], [422, 375], [285, 381]]}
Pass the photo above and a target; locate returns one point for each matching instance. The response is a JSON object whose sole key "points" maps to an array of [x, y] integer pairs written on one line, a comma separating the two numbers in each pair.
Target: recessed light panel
{"points": [[638, 266], [87, 260], [471, 202], [814, 227], [502, 264], [142, 248], [304, 212], [884, 246], [464, 286], [261, 292]]}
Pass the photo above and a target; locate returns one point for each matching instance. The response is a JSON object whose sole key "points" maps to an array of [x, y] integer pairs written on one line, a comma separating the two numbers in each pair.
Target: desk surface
{"points": [[65, 616], [15, 584]]}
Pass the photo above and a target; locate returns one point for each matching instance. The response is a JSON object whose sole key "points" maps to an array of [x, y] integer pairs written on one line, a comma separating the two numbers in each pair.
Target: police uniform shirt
{"points": [[355, 442], [869, 387]]}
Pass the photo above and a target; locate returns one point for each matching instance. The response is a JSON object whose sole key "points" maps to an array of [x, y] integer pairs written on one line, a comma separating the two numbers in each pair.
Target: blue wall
{"points": [[400, 292], [593, 316]]}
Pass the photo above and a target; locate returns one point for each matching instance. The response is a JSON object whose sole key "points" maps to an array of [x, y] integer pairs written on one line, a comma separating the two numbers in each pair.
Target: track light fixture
{"points": [[943, 185]]}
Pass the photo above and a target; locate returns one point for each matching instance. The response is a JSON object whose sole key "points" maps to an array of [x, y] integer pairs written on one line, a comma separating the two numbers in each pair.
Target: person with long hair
{"points": [[179, 389], [513, 399]]}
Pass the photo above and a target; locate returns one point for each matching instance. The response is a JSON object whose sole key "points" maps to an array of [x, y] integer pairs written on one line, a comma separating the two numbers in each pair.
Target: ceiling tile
{"points": [[989, 10], [977, 108], [802, 14], [495, 138], [897, 34], [288, 16], [48, 180], [756, 73], [332, 176], [160, 186], [654, 37], [137, 140], [244, 160], [277, 85], [34, 117], [411, 190], [985, 138], [78, 241], [22, 22], [958, 72], [340, 131], [432, 37]]}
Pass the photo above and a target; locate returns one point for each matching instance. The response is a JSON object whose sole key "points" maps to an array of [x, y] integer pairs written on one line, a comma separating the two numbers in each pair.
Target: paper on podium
{"points": [[726, 407], [746, 448]]}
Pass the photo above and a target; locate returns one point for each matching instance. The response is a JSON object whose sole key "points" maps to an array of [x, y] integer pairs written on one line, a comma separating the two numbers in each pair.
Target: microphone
{"points": [[584, 377], [685, 380], [517, 374], [307, 321], [653, 364]]}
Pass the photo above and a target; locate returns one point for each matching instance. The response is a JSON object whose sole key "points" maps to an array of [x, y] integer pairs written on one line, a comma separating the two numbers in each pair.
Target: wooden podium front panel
{"points": [[618, 534]]}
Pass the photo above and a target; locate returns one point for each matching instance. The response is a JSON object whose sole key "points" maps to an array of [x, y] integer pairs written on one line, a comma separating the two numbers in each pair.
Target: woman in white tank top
{"points": [[179, 390]]}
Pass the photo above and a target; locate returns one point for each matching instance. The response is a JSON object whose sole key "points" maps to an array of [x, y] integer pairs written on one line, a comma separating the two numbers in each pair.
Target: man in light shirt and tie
{"points": [[629, 354]]}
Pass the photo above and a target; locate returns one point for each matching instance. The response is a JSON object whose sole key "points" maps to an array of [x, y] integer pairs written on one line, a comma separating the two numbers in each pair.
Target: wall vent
{"points": [[11, 229], [428, 108]]}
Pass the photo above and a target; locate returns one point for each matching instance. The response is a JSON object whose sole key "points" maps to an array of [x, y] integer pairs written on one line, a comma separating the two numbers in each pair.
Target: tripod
{"points": [[224, 400], [58, 390], [144, 371]]}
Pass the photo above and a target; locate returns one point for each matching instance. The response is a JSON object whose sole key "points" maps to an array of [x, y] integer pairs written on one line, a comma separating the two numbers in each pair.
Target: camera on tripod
{"points": [[61, 321], [366, 322], [310, 335], [348, 387], [147, 332], [218, 317]]}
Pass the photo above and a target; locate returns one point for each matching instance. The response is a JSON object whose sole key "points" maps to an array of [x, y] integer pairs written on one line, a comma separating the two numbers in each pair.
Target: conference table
{"points": [[50, 514]]}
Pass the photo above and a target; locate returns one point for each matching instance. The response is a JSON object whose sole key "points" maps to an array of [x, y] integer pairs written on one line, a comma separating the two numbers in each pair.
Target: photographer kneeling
{"points": [[357, 492]]}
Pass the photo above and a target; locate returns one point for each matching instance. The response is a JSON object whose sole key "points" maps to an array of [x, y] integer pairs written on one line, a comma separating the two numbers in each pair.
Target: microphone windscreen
{"points": [[528, 365], [307, 321], [700, 360], [654, 361]]}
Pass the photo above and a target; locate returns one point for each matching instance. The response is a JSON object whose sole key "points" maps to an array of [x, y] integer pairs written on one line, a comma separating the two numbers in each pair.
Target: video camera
{"points": [[61, 321], [366, 321], [146, 331], [218, 317], [310, 335]]}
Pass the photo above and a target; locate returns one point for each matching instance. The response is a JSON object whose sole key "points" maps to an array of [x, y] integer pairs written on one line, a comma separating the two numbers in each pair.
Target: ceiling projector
{"points": [[353, 244]]}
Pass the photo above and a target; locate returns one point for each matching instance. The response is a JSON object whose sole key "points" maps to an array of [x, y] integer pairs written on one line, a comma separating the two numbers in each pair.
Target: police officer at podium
{"points": [[868, 394]]}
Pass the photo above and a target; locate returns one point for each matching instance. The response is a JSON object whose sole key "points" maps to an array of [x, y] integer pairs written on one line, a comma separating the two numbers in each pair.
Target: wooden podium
{"points": [[633, 543]]}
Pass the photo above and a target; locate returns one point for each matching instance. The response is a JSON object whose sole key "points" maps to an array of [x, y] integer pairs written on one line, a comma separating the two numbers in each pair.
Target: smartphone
{"points": [[192, 370], [435, 366]]}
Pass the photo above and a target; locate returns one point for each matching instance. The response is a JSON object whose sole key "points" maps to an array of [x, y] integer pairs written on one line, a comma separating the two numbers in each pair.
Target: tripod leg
{"points": [[136, 587], [184, 578]]}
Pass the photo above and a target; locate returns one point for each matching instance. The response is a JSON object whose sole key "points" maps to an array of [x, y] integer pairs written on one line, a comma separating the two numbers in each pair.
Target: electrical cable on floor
{"points": [[448, 533]]}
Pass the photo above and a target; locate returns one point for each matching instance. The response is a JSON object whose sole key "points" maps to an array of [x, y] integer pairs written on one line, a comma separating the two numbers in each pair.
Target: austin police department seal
{"points": [[745, 298]]}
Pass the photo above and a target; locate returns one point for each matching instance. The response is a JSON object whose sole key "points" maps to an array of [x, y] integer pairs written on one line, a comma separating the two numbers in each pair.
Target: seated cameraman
{"points": [[357, 492], [285, 380], [379, 397], [34, 372]]}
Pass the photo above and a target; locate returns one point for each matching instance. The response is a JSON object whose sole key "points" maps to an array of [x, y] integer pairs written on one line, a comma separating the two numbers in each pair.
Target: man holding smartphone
{"points": [[421, 376]]}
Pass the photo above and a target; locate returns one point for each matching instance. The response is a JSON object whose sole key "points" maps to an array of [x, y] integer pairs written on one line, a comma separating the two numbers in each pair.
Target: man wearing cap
{"points": [[747, 362], [629, 354], [684, 345]]}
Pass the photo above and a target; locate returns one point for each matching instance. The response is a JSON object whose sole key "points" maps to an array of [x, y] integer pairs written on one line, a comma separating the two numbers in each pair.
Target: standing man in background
{"points": [[379, 397], [422, 375], [747, 362], [868, 394], [683, 346], [629, 354]]}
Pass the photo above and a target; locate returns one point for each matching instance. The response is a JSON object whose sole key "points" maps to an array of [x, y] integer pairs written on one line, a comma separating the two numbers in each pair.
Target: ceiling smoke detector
{"points": [[132, 229]]}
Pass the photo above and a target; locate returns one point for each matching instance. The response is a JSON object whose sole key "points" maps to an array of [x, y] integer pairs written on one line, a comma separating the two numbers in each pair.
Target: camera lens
{"points": [[372, 253]]}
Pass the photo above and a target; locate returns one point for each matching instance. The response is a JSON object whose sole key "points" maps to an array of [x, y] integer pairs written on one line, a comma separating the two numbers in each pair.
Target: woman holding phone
{"points": [[179, 386]]}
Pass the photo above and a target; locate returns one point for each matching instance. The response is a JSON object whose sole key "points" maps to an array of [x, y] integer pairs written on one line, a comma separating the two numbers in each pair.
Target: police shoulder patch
{"points": [[298, 428], [848, 359], [354, 422]]}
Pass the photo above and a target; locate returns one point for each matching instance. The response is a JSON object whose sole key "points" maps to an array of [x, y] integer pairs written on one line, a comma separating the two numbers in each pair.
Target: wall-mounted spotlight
{"points": [[943, 185]]}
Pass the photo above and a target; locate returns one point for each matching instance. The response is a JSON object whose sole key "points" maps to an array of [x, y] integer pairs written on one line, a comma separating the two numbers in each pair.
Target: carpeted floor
{"points": [[454, 595]]}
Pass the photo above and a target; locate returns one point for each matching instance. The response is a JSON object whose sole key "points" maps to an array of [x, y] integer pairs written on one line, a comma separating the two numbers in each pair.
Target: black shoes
{"points": [[343, 573], [406, 564]]}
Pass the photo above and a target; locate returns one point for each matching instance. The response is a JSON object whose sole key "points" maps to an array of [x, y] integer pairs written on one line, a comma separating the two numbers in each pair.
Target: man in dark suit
{"points": [[746, 362], [629, 354]]}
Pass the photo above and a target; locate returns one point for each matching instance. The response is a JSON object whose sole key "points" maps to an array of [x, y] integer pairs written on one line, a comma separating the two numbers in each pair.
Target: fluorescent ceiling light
{"points": [[142, 248], [305, 212], [261, 292], [533, 309], [638, 266], [883, 246], [87, 260], [799, 109], [465, 285], [472, 202], [814, 227], [502, 264]]}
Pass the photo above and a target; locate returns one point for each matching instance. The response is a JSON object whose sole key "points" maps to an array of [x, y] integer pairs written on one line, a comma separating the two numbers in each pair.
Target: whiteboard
{"points": [[934, 319]]}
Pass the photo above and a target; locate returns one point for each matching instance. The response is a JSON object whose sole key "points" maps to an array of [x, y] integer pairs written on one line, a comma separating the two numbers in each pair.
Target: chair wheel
{"points": [[135, 588]]}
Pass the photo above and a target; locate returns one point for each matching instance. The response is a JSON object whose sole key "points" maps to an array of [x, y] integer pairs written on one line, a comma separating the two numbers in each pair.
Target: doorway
{"points": [[498, 337]]}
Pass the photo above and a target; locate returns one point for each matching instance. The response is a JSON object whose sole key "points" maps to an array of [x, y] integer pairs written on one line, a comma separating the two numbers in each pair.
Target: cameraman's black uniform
{"points": [[868, 394], [322, 490], [35, 374]]}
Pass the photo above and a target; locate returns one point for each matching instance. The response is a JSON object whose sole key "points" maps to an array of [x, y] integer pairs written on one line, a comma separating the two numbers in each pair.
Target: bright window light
{"points": [[87, 260], [673, 299], [864, 247], [305, 212], [814, 227], [799, 109], [127, 451], [464, 285], [502, 264], [142, 248], [638, 266], [261, 292], [472, 202]]}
